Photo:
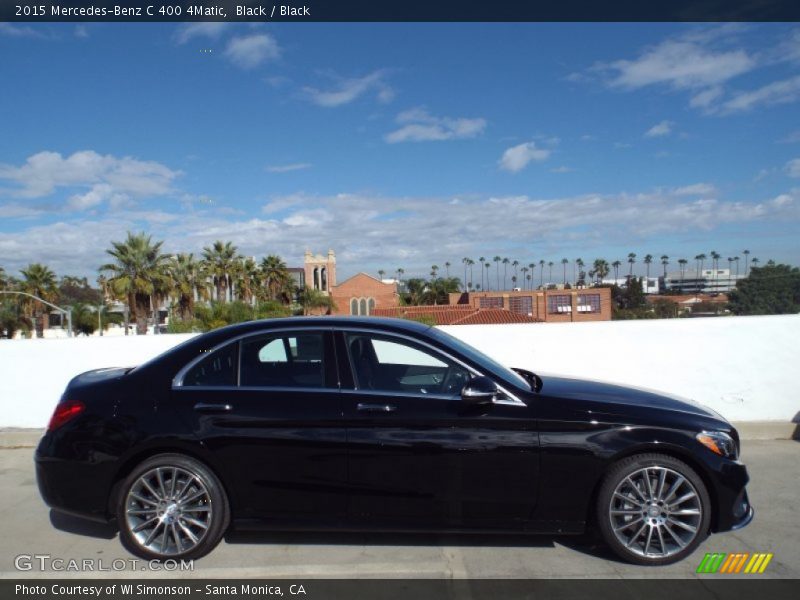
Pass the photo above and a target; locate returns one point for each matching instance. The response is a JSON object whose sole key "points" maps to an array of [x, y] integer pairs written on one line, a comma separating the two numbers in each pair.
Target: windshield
{"points": [[489, 364]]}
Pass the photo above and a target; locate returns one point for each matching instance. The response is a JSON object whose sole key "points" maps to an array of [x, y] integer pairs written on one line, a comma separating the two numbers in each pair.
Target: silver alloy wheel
{"points": [[655, 512], [168, 510]]}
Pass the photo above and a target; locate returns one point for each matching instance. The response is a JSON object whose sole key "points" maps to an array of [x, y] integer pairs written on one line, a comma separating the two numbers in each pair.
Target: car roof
{"points": [[386, 323]]}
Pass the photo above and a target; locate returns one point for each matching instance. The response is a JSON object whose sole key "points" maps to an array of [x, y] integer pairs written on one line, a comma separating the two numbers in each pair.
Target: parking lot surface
{"points": [[29, 529]]}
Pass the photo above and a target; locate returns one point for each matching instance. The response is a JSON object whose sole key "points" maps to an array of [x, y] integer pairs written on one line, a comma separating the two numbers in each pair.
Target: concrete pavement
{"points": [[28, 528]]}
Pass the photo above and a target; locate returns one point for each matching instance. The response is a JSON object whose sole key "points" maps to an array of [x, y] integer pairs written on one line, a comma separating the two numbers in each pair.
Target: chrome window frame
{"points": [[510, 399]]}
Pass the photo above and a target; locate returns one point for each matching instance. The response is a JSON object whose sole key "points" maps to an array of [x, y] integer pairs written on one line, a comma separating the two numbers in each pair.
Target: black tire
{"points": [[211, 508], [647, 512]]}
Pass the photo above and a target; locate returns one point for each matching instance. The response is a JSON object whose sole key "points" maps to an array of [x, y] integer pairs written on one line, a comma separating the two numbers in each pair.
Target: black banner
{"points": [[743, 588], [398, 10]]}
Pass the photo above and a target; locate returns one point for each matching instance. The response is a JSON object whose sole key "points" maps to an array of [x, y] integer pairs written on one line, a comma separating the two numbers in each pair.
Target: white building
{"points": [[707, 281]]}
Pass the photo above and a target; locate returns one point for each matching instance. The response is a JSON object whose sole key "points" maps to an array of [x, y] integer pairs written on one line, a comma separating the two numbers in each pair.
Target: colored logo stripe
{"points": [[720, 562]]}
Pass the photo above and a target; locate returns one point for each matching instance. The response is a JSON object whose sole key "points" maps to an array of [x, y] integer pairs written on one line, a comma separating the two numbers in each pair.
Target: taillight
{"points": [[64, 412]]}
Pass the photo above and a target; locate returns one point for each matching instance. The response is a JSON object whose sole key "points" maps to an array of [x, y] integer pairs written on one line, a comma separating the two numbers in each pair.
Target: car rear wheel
{"points": [[653, 509], [172, 506]]}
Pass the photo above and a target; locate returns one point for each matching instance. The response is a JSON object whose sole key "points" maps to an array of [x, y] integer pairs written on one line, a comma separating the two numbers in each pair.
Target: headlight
{"points": [[719, 443]]}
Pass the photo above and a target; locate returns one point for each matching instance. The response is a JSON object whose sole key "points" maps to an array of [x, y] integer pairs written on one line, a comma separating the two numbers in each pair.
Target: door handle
{"points": [[376, 408], [211, 407]]}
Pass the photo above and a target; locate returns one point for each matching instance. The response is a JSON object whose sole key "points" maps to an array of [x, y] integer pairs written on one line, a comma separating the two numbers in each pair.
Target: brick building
{"points": [[550, 306], [362, 294]]}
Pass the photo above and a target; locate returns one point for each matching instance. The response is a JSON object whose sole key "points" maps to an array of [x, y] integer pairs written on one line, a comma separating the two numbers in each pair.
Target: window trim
{"points": [[510, 400], [177, 381]]}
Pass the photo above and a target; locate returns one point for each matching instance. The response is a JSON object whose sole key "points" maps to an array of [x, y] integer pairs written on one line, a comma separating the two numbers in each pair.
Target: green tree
{"points": [[277, 280], [315, 301], [136, 274], [187, 278], [40, 281], [220, 262], [768, 290]]}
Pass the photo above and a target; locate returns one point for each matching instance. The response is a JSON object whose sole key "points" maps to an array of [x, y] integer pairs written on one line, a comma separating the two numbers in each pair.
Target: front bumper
{"points": [[733, 508]]}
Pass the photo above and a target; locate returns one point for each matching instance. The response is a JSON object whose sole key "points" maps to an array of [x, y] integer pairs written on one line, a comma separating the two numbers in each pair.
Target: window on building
{"points": [[491, 302], [521, 304], [559, 303], [588, 303], [354, 306], [285, 361], [362, 307], [370, 306]]}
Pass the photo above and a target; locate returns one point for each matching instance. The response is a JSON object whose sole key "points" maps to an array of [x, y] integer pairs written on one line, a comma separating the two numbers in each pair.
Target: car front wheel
{"points": [[653, 509], [171, 507]]}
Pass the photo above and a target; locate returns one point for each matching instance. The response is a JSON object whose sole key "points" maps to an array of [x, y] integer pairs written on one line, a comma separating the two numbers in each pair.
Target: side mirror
{"points": [[480, 390]]}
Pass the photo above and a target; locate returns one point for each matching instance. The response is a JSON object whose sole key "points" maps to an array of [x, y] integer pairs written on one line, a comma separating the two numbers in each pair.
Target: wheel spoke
{"points": [[637, 534], [648, 483], [682, 525], [628, 524], [190, 534], [626, 512], [674, 488], [153, 534], [206, 509], [161, 486], [194, 496], [636, 489], [684, 498], [141, 511], [142, 499], [649, 537], [686, 512], [661, 540], [176, 536], [675, 537], [150, 489], [661, 481], [195, 522], [172, 483]]}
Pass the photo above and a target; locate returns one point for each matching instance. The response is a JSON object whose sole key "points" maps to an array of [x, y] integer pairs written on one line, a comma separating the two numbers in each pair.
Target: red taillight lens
{"points": [[64, 412]]}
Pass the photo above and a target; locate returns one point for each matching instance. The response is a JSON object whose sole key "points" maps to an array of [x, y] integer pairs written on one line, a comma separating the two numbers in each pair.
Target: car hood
{"points": [[615, 398]]}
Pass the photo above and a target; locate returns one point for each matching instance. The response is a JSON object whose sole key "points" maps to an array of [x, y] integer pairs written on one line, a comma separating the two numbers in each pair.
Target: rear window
{"points": [[216, 369]]}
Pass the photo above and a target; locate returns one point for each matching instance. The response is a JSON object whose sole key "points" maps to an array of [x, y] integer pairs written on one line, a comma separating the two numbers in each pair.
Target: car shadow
{"points": [[585, 544], [796, 421], [79, 526]]}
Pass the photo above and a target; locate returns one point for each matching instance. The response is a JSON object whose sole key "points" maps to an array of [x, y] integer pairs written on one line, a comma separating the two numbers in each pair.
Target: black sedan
{"points": [[381, 424]]}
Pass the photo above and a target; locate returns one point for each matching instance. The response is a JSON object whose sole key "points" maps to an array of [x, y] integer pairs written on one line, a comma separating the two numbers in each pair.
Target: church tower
{"points": [[320, 271]]}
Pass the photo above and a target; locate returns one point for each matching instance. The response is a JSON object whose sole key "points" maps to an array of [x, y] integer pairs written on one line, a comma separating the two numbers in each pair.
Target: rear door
{"points": [[268, 407]]}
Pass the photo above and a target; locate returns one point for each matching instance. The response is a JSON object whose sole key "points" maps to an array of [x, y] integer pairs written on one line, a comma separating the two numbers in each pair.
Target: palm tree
{"points": [[135, 274], [400, 272], [564, 263], [616, 264], [505, 269], [631, 260], [316, 302], [715, 256], [275, 276], [186, 277], [700, 258], [647, 260], [754, 261], [248, 280], [381, 273], [465, 260], [746, 254], [682, 265], [665, 262], [581, 275], [600, 269], [515, 264], [434, 271], [550, 276], [447, 270], [736, 260], [39, 281], [481, 260], [3, 279], [524, 272], [497, 260], [220, 259], [513, 281], [488, 266], [541, 272]]}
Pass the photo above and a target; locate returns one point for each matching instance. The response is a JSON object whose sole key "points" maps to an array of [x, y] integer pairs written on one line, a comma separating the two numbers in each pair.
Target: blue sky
{"points": [[400, 145]]}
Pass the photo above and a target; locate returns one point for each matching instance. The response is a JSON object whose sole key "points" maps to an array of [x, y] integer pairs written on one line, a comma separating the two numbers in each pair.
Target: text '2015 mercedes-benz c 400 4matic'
{"points": [[381, 424]]}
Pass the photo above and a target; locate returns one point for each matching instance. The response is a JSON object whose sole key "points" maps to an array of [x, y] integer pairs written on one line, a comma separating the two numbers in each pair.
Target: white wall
{"points": [[746, 368]]}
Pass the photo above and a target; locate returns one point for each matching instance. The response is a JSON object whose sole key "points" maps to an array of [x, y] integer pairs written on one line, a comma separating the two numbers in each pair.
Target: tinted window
{"points": [[216, 369], [393, 365], [283, 361]]}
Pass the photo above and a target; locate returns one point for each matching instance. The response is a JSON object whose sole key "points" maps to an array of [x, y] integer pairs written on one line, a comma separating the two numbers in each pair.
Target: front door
{"points": [[419, 457]]}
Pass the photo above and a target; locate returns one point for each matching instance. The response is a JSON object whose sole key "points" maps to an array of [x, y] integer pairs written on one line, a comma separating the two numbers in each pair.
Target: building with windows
{"points": [[320, 271], [362, 294], [566, 305], [706, 281]]}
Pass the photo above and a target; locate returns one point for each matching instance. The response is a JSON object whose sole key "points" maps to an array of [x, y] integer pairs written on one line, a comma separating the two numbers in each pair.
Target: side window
{"points": [[283, 361], [387, 364], [216, 369]]}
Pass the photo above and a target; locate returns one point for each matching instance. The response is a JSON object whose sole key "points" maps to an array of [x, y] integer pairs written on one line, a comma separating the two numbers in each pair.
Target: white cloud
{"points": [[517, 157], [705, 98], [659, 129], [288, 168], [696, 189], [10, 30], [81, 31], [417, 125], [366, 229], [100, 177], [790, 138], [680, 64], [793, 168], [250, 51], [348, 90], [211, 29], [562, 169], [777, 92]]}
